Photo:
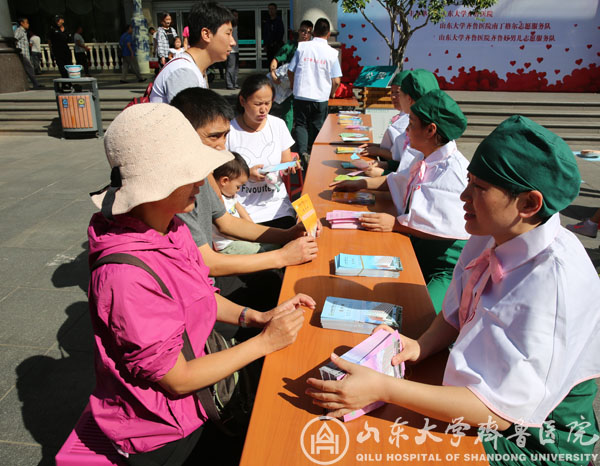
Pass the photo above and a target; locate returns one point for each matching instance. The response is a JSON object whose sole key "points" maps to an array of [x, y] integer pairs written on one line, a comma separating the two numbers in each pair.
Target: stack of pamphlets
{"points": [[376, 352], [350, 121], [354, 137], [345, 149], [351, 265], [349, 177], [358, 127], [353, 315], [343, 113], [344, 219], [359, 197]]}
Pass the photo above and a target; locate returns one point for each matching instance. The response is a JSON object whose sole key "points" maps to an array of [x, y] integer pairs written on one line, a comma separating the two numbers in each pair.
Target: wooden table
{"points": [[282, 410], [346, 102], [330, 132]]}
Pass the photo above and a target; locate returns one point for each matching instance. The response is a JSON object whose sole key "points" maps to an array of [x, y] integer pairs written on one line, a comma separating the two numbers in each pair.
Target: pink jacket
{"points": [[137, 330]]}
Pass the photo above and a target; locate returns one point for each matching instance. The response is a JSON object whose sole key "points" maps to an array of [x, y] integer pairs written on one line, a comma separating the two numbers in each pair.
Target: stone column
{"points": [[140, 37], [12, 77], [315, 9]]}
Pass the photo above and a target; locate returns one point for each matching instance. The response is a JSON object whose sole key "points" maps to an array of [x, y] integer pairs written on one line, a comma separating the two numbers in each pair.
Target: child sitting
{"points": [[177, 50], [229, 178]]}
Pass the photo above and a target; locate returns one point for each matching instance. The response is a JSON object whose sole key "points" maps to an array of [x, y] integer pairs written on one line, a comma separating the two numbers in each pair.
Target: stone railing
{"points": [[102, 56]]}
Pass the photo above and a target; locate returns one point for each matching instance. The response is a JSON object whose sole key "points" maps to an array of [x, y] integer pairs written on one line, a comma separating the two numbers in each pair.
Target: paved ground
{"points": [[45, 338]]}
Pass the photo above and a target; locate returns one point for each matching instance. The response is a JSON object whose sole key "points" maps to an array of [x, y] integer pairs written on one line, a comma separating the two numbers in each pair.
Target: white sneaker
{"points": [[585, 228]]}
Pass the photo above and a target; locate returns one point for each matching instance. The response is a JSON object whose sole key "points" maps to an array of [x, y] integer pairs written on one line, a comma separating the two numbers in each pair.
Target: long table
{"points": [[285, 428], [330, 132]]}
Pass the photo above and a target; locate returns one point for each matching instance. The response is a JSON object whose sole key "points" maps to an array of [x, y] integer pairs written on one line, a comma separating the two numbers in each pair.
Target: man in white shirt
{"points": [[314, 74], [211, 40]]}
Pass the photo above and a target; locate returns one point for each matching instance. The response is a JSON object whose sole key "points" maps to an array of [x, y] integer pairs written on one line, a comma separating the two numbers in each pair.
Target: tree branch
{"points": [[387, 41]]}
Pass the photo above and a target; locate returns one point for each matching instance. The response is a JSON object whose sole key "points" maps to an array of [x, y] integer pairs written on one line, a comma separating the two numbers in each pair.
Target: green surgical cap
{"points": [[439, 108], [397, 81], [520, 155], [418, 83]]}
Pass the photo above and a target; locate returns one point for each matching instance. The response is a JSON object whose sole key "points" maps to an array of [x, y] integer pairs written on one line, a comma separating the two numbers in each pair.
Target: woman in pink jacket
{"points": [[144, 396]]}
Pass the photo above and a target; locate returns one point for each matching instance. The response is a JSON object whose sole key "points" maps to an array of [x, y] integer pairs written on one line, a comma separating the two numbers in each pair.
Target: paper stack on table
{"points": [[359, 197], [345, 149], [354, 137], [352, 315], [344, 219], [376, 352], [343, 113], [351, 265]]}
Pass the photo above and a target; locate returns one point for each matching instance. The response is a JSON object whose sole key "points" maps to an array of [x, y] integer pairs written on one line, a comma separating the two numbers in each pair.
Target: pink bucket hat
{"points": [[152, 150]]}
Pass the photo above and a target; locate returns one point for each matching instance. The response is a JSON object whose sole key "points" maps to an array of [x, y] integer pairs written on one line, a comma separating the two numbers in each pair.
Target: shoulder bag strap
{"points": [[204, 395]]}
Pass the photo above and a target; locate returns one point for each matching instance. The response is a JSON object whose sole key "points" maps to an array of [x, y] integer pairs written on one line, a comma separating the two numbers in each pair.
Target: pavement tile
{"points": [[50, 394], [23, 266], [34, 317], [10, 358], [22, 455], [24, 215], [62, 229], [6, 291]]}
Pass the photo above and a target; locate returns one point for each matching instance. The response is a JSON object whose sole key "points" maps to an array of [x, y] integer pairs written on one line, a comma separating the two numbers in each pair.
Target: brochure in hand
{"points": [[376, 352], [278, 167], [352, 315], [351, 265], [307, 214]]}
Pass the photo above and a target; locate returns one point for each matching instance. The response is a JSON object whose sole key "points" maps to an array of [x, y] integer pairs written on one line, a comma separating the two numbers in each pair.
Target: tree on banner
{"points": [[399, 11]]}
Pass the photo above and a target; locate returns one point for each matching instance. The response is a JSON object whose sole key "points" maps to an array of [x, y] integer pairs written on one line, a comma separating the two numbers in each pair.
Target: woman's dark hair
{"points": [[207, 15], [232, 169], [162, 15], [253, 83]]}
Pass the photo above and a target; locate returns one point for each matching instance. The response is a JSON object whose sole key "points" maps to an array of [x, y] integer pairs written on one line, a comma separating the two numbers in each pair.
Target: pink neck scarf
{"points": [[486, 263], [417, 174]]}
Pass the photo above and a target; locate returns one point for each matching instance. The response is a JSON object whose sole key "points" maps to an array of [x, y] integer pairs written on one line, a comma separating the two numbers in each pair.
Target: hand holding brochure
{"points": [[278, 167], [376, 352], [307, 214], [352, 315], [351, 265]]}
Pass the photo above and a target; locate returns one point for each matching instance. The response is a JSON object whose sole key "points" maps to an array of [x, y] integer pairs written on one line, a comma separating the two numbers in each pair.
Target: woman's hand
{"points": [[378, 222], [282, 324], [348, 185], [255, 175], [359, 388], [369, 149], [373, 170], [411, 349]]}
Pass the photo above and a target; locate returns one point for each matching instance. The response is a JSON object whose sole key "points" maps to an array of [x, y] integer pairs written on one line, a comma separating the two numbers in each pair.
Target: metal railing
{"points": [[102, 56]]}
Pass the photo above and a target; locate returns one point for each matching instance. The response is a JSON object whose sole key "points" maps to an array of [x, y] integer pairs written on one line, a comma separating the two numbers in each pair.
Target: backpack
{"points": [[144, 99], [228, 402]]}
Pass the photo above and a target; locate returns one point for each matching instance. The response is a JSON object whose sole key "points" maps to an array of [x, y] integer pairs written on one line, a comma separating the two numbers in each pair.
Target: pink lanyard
{"points": [[487, 263]]}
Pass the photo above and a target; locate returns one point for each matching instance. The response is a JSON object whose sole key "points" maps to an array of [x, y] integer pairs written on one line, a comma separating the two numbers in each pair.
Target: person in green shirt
{"points": [[284, 55]]}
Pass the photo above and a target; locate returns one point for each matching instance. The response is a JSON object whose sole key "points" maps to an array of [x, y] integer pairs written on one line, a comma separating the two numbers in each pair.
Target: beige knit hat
{"points": [[152, 150]]}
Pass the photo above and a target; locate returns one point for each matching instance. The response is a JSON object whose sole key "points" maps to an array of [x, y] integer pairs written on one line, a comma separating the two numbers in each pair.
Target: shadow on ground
{"points": [[54, 391]]}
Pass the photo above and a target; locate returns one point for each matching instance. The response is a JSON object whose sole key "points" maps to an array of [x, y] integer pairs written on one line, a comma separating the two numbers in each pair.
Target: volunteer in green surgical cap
{"points": [[522, 315], [407, 88], [426, 193], [397, 126]]}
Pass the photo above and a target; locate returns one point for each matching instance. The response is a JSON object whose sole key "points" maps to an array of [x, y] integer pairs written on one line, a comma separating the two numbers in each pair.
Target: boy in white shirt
{"points": [[229, 178]]}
